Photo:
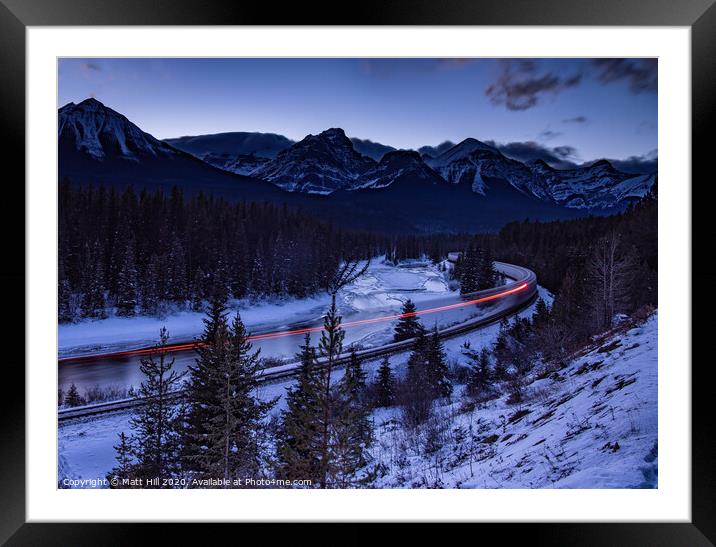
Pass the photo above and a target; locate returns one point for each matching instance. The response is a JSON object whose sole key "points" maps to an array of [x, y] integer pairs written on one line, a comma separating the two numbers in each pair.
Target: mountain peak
{"points": [[333, 131], [318, 164], [102, 133]]}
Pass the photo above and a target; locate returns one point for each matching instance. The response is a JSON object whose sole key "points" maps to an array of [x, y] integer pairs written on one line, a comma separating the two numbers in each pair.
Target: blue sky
{"points": [[577, 109]]}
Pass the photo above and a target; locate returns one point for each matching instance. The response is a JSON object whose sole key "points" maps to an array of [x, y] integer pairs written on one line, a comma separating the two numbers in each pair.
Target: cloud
{"points": [[520, 85], [640, 74], [560, 157], [576, 119], [647, 163], [548, 134], [91, 67], [435, 151]]}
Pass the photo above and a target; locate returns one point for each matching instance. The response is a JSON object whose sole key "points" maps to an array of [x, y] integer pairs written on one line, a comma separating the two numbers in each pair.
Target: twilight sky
{"points": [[573, 109]]}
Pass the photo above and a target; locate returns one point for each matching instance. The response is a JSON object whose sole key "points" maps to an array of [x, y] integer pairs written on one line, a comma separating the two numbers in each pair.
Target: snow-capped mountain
{"points": [[472, 162], [237, 143], [242, 164], [97, 144], [100, 132], [599, 185], [318, 164], [470, 186], [394, 166]]}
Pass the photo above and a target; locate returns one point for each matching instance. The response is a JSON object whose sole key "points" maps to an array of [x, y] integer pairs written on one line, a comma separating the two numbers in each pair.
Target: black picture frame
{"points": [[16, 15]]}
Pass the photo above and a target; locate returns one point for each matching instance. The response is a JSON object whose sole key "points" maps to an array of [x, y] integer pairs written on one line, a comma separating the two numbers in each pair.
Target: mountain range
{"points": [[467, 186]]}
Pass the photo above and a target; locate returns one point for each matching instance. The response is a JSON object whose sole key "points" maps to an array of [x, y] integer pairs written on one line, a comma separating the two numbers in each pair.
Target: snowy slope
{"points": [[85, 447], [241, 164], [394, 166], [100, 132], [598, 185], [592, 424], [471, 161], [318, 164]]}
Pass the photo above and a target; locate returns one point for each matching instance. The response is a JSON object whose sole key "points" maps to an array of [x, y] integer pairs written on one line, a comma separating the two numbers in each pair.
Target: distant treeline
{"points": [[139, 251]]}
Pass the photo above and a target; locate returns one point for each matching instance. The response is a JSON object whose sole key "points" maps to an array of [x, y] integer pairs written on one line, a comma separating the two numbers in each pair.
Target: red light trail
{"points": [[306, 330]]}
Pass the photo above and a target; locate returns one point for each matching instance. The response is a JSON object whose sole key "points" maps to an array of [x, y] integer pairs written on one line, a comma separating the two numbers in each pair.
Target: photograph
{"points": [[357, 273]]}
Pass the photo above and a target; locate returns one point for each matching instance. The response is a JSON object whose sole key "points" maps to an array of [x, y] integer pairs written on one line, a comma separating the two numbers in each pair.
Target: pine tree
{"points": [[197, 290], [417, 391], [408, 325], [385, 386], [352, 433], [438, 372], [235, 433], [479, 377], [124, 471], [225, 436], [299, 440], [330, 347], [127, 284], [487, 275], [156, 424], [93, 304], [151, 287], [73, 397], [203, 386], [64, 302], [540, 318], [469, 270], [177, 279]]}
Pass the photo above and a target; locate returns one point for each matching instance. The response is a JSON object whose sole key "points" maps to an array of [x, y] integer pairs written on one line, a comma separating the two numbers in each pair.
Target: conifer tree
{"points": [[125, 468], [385, 386], [330, 347], [93, 304], [479, 377], [73, 397], [235, 433], [156, 424], [299, 442], [352, 434], [487, 275], [438, 372], [540, 318], [127, 284], [151, 287], [177, 279], [197, 290], [203, 386], [408, 325], [468, 270], [417, 391], [64, 302]]}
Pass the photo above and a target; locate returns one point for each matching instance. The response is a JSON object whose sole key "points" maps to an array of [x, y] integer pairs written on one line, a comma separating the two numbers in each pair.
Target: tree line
{"points": [[144, 252]]}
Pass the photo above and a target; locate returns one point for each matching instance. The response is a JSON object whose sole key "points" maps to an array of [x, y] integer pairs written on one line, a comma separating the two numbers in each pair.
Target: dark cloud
{"points": [[640, 74], [559, 157], [576, 119], [567, 157], [91, 67], [520, 85], [435, 151], [648, 163], [548, 134]]}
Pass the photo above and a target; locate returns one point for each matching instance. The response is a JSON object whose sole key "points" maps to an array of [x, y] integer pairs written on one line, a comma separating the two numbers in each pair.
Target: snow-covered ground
{"points": [[383, 288], [591, 425]]}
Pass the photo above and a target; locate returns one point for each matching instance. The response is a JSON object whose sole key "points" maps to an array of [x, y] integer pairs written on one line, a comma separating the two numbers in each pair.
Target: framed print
{"points": [[410, 267]]}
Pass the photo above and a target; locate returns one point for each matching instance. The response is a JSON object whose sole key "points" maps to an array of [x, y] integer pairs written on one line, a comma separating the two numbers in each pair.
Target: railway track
{"points": [[524, 297]]}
